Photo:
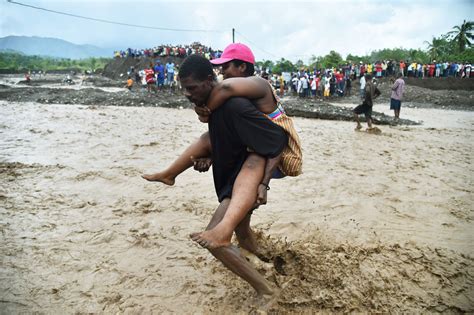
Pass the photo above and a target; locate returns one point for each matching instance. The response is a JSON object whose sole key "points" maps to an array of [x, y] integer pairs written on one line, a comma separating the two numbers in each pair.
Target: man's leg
{"points": [[246, 237], [231, 258], [369, 122], [356, 117], [200, 148], [244, 195], [368, 117], [397, 113]]}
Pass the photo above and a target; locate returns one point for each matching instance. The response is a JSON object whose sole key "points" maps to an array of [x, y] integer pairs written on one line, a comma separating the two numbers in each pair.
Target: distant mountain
{"points": [[53, 47]]}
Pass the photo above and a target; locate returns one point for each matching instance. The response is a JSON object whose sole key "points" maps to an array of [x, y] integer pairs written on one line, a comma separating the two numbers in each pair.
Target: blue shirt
{"points": [[160, 70], [170, 67]]}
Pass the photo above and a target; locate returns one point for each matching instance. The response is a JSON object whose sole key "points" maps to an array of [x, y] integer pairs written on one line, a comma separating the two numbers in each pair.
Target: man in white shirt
{"points": [[362, 86]]}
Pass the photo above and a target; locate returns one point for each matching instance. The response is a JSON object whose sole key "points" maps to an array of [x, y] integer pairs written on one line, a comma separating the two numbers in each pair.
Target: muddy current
{"points": [[376, 223]]}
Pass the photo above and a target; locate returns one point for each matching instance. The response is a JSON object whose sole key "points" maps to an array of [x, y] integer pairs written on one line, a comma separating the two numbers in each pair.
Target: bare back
{"points": [[266, 104]]}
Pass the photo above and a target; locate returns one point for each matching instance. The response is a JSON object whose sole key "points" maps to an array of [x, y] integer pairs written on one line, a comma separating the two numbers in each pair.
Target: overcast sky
{"points": [[273, 29]]}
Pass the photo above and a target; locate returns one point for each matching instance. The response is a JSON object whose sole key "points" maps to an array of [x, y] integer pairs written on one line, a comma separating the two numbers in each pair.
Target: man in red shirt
{"points": [[402, 68], [149, 78]]}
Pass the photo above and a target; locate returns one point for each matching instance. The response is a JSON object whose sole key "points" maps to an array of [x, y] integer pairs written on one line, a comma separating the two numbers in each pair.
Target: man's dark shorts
{"points": [[395, 104], [277, 174], [235, 127], [365, 109]]}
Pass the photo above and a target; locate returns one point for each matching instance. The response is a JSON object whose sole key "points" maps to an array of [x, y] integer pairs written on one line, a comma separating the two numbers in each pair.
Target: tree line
{"points": [[15, 61]]}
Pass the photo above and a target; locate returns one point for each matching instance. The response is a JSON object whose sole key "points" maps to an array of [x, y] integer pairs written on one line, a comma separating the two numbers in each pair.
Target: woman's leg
{"points": [[244, 195], [199, 149]]}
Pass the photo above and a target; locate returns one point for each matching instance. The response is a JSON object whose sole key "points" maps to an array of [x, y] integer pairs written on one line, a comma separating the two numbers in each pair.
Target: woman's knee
{"points": [[205, 141]]}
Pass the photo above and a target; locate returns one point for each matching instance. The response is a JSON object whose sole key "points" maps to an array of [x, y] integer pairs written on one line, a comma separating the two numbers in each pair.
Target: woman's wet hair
{"points": [[249, 69], [196, 66]]}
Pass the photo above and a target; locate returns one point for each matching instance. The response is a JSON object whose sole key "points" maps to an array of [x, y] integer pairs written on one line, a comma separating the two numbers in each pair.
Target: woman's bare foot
{"points": [[213, 238], [159, 177]]}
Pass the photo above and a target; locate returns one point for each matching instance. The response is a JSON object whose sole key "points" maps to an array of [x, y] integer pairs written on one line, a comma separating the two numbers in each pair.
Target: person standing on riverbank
{"points": [[398, 88], [149, 78], [370, 93], [160, 75], [362, 86], [169, 69]]}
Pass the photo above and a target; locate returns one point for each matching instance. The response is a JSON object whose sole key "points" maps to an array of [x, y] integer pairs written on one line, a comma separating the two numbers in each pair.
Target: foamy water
{"points": [[13, 80]]}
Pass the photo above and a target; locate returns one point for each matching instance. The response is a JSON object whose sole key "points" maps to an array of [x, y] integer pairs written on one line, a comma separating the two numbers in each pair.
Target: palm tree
{"points": [[463, 34], [437, 47]]}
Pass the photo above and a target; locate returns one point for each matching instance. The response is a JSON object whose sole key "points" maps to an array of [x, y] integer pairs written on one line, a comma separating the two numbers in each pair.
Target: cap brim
{"points": [[220, 61]]}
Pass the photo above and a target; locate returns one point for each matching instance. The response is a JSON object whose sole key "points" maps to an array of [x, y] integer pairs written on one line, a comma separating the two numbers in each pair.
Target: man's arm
{"points": [[395, 85], [250, 88], [377, 92]]}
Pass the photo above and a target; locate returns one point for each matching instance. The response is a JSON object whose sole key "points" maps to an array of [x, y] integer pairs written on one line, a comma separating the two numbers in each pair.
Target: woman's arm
{"points": [[251, 88]]}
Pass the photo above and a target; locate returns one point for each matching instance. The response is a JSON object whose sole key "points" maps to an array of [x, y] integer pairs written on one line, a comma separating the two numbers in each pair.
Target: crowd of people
{"points": [[181, 51], [337, 81], [435, 69], [326, 83], [155, 77]]}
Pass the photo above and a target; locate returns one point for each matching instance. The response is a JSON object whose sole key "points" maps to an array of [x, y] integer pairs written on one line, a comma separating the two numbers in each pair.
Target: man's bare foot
{"points": [[250, 244], [265, 301], [255, 260], [358, 127], [212, 239], [159, 177], [374, 130]]}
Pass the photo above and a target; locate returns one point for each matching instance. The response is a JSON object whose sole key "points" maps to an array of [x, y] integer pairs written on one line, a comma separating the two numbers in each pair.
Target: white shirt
{"points": [[362, 83], [304, 82], [300, 86]]}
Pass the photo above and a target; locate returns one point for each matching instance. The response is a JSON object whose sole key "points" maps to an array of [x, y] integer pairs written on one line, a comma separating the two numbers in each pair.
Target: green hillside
{"points": [[13, 61]]}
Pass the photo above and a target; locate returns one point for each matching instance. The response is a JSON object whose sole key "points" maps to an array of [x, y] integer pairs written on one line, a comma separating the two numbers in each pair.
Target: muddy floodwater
{"points": [[377, 223]]}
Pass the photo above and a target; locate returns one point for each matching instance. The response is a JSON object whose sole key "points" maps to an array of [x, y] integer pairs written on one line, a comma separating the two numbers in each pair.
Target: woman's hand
{"points": [[203, 113]]}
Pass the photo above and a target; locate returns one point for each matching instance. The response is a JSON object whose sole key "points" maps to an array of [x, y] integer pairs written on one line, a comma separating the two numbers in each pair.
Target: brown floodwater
{"points": [[376, 223]]}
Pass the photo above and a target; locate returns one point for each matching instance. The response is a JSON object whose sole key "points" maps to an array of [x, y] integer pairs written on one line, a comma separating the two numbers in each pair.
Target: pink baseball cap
{"points": [[235, 51]]}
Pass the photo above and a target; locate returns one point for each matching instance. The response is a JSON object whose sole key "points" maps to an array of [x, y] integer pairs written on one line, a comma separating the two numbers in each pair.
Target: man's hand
{"points": [[201, 164], [203, 113], [261, 195]]}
